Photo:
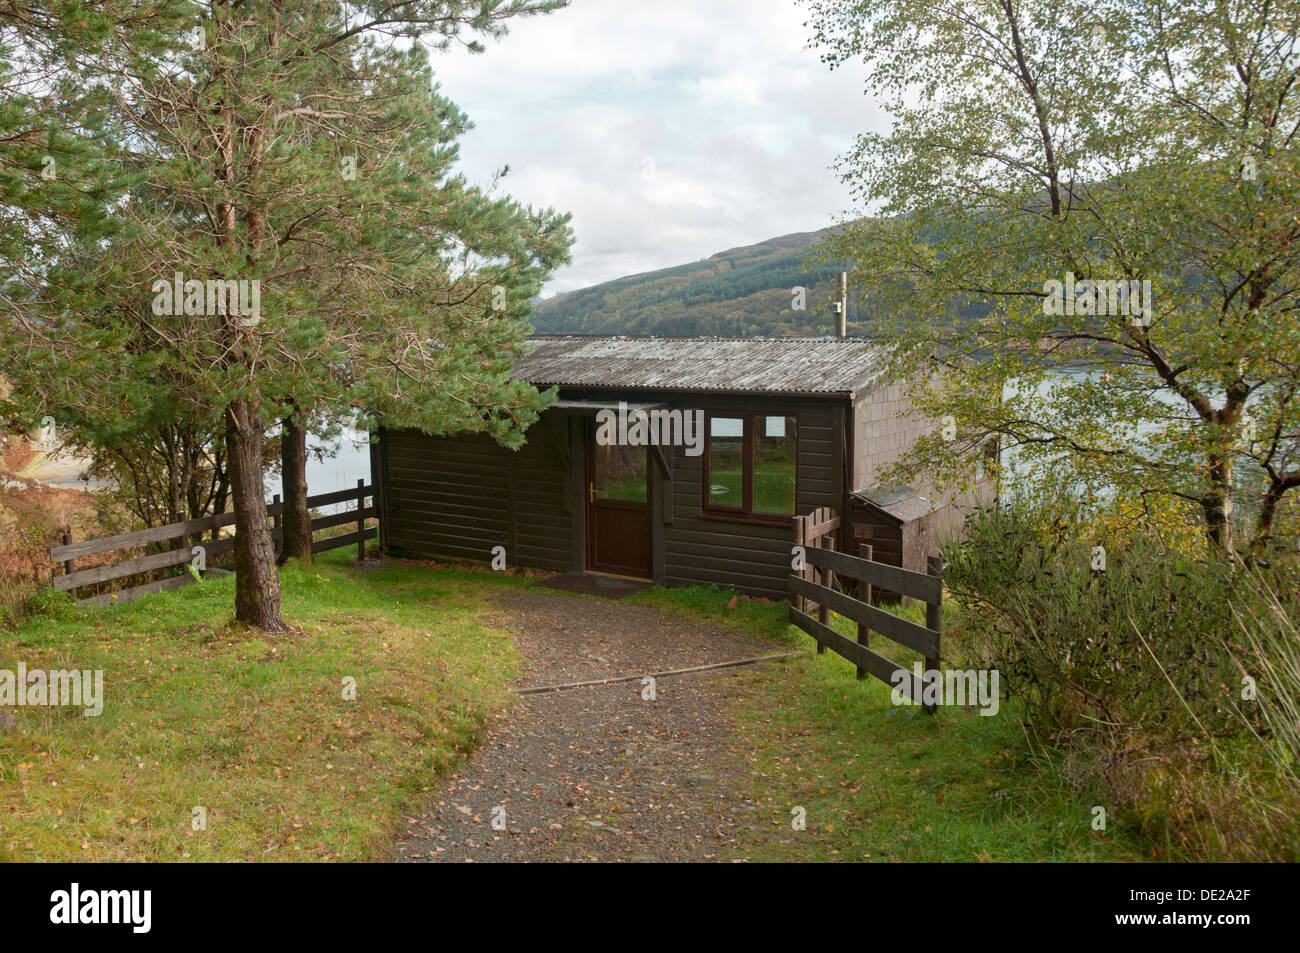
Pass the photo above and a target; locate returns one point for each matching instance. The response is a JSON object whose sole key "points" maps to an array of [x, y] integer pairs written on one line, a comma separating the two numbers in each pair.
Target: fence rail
{"points": [[815, 584], [74, 579]]}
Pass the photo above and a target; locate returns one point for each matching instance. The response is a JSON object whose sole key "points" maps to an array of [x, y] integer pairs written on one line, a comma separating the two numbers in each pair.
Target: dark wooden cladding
{"points": [[455, 496], [885, 537]]}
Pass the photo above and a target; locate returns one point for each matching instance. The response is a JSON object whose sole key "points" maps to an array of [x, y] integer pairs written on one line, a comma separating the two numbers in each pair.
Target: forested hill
{"points": [[741, 292]]}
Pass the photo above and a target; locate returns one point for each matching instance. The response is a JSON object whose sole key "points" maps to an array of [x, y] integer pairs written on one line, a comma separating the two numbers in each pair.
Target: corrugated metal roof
{"points": [[902, 503], [737, 365]]}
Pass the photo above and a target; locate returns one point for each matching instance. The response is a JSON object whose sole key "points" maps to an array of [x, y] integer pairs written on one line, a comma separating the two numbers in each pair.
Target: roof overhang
{"points": [[838, 395], [567, 406]]}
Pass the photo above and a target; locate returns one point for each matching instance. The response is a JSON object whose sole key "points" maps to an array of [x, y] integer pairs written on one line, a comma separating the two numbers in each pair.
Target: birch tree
{"points": [[1045, 159]]}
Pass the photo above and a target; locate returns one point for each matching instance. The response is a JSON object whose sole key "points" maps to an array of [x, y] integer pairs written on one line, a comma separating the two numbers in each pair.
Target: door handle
{"points": [[591, 492]]}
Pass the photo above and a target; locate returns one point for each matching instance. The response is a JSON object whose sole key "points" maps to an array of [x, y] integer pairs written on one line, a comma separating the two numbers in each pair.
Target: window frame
{"points": [[745, 512]]}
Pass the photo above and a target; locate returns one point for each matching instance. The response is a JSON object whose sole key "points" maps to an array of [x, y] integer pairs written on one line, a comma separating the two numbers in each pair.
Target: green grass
{"points": [[880, 782], [256, 730], [201, 713]]}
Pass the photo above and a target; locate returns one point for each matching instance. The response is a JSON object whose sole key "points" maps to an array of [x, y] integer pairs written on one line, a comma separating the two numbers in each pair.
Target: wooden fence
{"points": [[816, 584], [74, 579]]}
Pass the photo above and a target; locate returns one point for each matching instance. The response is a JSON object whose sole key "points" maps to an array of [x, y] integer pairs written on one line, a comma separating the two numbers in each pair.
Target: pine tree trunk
{"points": [[293, 465], [257, 586]]}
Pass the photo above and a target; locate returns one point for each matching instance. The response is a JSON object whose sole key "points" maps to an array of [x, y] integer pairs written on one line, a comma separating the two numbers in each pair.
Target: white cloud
{"points": [[742, 122]]}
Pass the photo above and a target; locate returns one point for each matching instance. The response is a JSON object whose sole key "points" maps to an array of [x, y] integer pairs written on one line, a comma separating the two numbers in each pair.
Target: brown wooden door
{"points": [[618, 508]]}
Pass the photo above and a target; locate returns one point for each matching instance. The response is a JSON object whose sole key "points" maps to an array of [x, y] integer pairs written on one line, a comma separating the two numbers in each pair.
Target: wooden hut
{"points": [[766, 428]]}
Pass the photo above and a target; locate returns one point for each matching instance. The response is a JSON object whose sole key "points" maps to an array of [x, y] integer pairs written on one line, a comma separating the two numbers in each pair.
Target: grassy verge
{"points": [[256, 731], [881, 782]]}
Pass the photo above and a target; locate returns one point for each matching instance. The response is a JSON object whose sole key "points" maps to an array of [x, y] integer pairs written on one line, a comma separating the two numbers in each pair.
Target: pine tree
{"points": [[300, 245]]}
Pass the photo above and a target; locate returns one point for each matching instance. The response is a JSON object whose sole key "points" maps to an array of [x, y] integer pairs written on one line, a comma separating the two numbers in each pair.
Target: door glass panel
{"points": [[727, 461], [776, 445], [619, 473]]}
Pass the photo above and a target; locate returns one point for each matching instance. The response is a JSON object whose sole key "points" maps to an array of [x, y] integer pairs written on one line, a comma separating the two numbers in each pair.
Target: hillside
{"points": [[743, 291]]}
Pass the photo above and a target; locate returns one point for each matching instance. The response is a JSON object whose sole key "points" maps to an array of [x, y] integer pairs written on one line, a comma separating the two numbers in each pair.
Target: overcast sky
{"points": [[671, 129]]}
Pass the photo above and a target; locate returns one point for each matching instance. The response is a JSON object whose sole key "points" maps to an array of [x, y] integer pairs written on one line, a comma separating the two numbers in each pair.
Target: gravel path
{"points": [[598, 773]]}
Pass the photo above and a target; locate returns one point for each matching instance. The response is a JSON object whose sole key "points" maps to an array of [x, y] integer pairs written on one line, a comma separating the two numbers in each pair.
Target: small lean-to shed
{"points": [[902, 527], [743, 434]]}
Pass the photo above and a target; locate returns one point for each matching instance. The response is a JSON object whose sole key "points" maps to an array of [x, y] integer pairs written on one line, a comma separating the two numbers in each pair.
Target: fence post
{"points": [[277, 522], [67, 563], [864, 632], [934, 615], [361, 520], [827, 580]]}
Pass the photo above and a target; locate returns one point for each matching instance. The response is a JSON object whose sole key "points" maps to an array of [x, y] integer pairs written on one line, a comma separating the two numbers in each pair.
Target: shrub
{"points": [[1132, 675], [52, 604], [1271, 658]]}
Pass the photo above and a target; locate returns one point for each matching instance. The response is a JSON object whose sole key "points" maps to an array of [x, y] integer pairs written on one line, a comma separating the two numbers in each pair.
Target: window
{"points": [[618, 472], [727, 462], [750, 465], [775, 459]]}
